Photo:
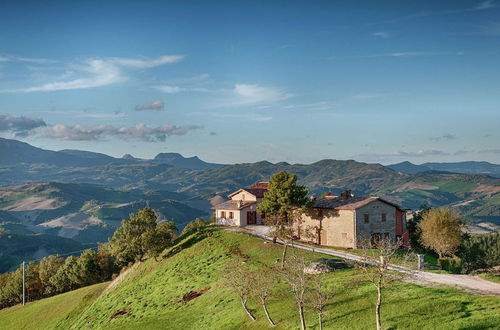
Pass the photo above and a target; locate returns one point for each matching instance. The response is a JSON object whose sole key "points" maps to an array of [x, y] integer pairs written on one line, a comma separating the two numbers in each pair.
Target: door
{"points": [[251, 218]]}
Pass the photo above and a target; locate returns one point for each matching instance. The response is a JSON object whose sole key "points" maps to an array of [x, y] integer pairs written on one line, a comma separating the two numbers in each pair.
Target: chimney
{"points": [[330, 195]]}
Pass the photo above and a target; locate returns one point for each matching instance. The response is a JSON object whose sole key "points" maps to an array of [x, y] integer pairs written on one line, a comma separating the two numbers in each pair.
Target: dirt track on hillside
{"points": [[468, 283]]}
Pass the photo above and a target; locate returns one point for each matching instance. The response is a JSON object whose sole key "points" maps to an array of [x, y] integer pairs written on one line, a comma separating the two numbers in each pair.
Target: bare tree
{"points": [[375, 266], [238, 277], [318, 298], [295, 275], [262, 289]]}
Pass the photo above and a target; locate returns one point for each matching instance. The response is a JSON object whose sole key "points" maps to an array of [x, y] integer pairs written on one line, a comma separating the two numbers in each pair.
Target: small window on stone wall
{"points": [[366, 218], [383, 217], [223, 214], [231, 215]]}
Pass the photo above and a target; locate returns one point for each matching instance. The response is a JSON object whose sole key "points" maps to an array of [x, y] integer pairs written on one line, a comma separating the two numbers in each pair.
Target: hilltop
{"points": [[159, 295]]}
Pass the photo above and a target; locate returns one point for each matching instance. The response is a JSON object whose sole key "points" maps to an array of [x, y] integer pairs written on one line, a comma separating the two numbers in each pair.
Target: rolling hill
{"points": [[185, 289], [475, 195], [63, 217]]}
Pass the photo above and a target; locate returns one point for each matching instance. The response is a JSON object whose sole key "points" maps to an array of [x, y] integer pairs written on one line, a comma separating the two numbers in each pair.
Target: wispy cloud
{"points": [[33, 60], [381, 34], [394, 54], [486, 5], [93, 73], [446, 136], [323, 105], [145, 62], [155, 105], [177, 89], [247, 93]]}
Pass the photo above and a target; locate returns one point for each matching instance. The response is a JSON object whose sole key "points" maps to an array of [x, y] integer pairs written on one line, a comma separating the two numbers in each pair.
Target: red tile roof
{"points": [[350, 203], [233, 205]]}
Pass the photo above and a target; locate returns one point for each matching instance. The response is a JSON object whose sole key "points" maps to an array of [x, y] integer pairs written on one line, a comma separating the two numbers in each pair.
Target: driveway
{"points": [[465, 282]]}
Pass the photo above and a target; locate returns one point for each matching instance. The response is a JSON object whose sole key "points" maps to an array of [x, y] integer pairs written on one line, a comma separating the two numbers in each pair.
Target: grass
{"points": [[490, 277], [52, 312], [454, 186], [151, 291]]}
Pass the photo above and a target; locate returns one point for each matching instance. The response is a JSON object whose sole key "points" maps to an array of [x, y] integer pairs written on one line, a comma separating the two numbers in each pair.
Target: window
{"points": [[383, 217], [366, 218], [223, 214], [231, 215]]}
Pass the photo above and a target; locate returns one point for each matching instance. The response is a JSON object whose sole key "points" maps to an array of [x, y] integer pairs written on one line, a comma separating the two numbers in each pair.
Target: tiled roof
{"points": [[257, 192], [233, 205], [350, 203], [260, 185]]}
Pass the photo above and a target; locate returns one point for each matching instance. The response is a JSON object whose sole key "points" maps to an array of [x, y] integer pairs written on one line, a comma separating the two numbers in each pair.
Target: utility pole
{"points": [[24, 286]]}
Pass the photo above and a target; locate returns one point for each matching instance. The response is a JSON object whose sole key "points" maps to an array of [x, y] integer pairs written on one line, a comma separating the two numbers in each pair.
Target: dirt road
{"points": [[465, 282]]}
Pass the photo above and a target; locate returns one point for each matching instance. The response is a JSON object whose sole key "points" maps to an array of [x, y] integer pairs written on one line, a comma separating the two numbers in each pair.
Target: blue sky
{"points": [[292, 81]]}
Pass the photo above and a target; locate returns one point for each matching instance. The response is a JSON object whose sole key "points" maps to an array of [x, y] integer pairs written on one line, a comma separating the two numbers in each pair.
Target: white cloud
{"points": [[93, 73], [177, 89], [101, 132], [259, 94], [97, 73], [381, 34], [145, 63], [155, 105]]}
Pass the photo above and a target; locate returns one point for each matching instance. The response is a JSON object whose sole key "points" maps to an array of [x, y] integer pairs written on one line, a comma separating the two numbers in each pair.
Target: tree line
{"points": [[139, 237]]}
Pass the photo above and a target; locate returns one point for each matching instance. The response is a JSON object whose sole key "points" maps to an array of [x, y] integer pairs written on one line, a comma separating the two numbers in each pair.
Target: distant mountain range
{"points": [[471, 167], [79, 197], [16, 152]]}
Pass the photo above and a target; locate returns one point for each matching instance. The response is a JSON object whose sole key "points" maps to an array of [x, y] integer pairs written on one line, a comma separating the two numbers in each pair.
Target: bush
{"points": [[453, 264]]}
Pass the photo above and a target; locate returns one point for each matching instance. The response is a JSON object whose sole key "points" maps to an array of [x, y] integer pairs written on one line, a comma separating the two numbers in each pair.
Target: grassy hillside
{"points": [[49, 313], [150, 297]]}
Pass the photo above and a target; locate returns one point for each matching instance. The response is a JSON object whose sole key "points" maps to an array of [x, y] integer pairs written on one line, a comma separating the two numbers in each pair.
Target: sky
{"points": [[245, 81]]}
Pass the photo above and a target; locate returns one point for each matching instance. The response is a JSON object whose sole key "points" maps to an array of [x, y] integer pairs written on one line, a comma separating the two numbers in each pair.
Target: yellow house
{"points": [[241, 209]]}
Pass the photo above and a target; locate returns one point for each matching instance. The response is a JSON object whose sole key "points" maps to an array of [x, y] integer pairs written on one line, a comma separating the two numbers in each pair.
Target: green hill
{"points": [[150, 296]]}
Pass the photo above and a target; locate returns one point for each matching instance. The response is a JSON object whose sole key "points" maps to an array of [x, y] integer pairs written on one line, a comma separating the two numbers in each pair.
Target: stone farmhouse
{"points": [[339, 221]]}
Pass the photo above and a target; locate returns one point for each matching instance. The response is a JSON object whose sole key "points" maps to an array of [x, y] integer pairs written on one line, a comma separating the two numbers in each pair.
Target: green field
{"points": [[149, 297]]}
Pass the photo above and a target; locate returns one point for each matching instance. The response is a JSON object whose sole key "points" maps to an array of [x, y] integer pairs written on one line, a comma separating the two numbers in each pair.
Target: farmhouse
{"points": [[339, 221], [343, 220], [241, 209]]}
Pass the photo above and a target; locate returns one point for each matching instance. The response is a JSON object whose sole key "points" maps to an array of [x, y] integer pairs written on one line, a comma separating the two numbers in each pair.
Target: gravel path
{"points": [[465, 282]]}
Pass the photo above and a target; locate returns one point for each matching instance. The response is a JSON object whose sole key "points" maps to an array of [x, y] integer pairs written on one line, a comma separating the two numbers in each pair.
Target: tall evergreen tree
{"points": [[282, 205]]}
